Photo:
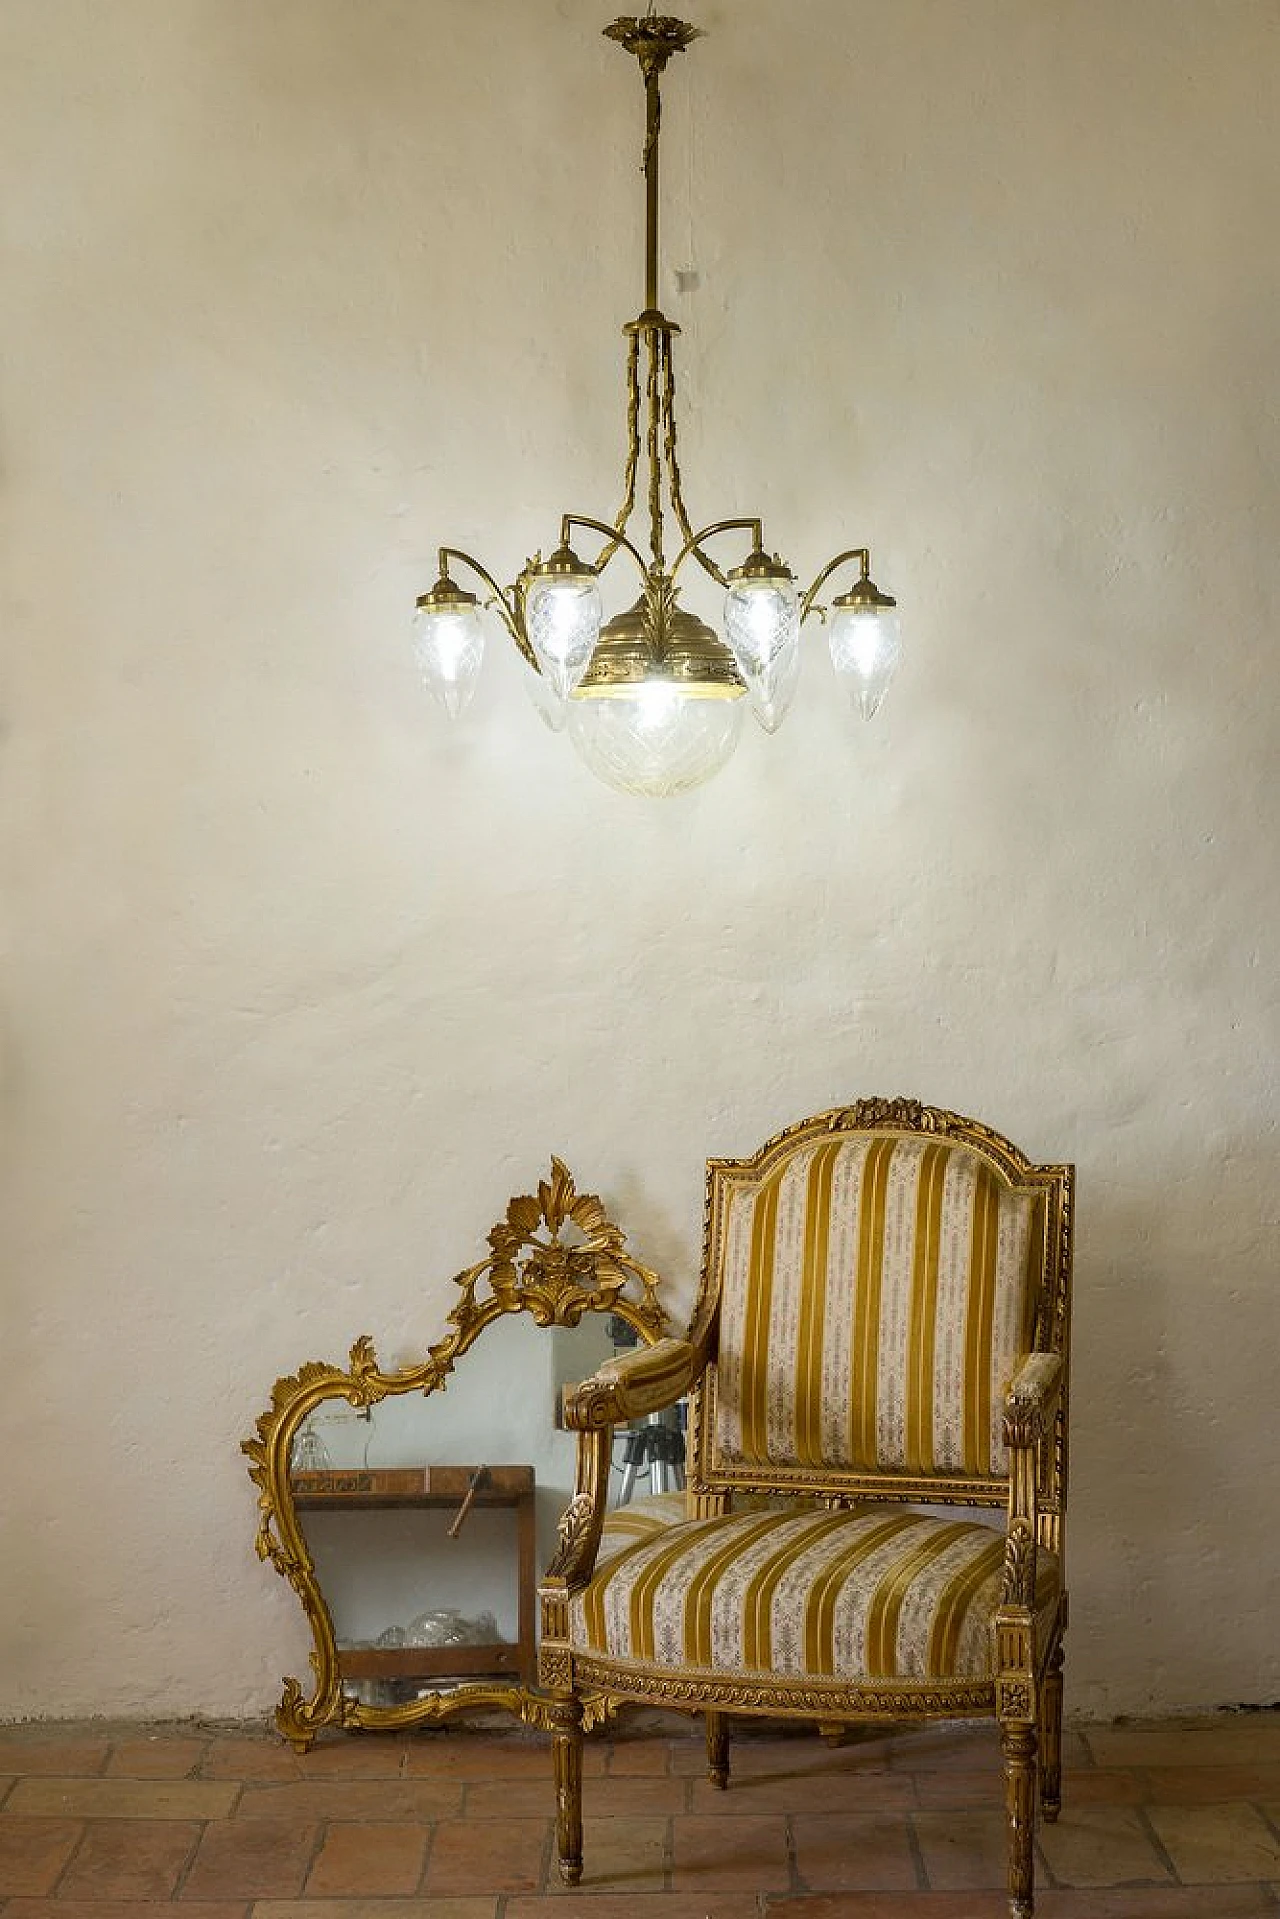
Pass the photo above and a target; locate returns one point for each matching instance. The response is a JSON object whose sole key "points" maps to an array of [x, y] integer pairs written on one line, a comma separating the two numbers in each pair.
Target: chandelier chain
{"points": [[654, 396], [673, 462], [633, 432]]}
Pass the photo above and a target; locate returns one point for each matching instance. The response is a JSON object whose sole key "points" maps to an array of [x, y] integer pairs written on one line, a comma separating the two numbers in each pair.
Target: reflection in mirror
{"points": [[413, 1510], [399, 1577]]}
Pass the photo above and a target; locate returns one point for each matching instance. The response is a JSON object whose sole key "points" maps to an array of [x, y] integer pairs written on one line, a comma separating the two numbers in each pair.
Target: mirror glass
{"points": [[394, 1578]]}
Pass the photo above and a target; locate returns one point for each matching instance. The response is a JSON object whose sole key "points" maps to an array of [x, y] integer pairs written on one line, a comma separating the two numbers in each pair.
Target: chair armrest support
{"points": [[579, 1528], [635, 1383], [1032, 1399], [1030, 1406], [627, 1387]]}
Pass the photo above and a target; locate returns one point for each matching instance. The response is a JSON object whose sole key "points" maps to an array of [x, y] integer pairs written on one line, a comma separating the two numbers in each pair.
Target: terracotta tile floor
{"points": [[1161, 1821]]}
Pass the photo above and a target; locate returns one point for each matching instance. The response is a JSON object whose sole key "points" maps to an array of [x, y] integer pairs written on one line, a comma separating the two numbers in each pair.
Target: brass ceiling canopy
{"points": [[653, 700]]}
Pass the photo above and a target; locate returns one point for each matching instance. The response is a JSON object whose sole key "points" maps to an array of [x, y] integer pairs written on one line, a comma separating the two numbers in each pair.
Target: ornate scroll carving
{"points": [[531, 1267], [907, 1113], [557, 1281]]}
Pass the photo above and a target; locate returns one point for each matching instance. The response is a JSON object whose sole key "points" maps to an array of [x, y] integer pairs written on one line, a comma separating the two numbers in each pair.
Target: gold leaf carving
{"points": [[571, 1529], [1020, 1565]]}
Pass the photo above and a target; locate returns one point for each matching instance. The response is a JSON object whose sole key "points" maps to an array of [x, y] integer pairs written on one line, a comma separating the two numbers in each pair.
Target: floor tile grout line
{"points": [[65, 1867], [916, 1849], [1273, 1825], [1161, 1850], [548, 1860], [794, 1881], [427, 1851], [184, 1870], [317, 1847], [1045, 1879]]}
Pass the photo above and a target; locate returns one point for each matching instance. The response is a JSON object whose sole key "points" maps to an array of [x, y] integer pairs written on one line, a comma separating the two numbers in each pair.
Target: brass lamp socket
{"points": [[446, 596], [761, 566], [864, 596], [564, 564]]}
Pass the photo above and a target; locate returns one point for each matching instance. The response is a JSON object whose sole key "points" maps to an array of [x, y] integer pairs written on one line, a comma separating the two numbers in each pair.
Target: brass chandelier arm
{"points": [[693, 545], [511, 618], [614, 537], [860, 553]]}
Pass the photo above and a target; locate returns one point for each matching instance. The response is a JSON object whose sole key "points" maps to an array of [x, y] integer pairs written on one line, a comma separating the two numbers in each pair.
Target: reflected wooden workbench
{"points": [[418, 1488]]}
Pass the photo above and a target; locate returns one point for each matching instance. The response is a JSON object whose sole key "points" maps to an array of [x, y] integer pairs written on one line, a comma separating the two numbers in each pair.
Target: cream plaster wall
{"points": [[298, 987]]}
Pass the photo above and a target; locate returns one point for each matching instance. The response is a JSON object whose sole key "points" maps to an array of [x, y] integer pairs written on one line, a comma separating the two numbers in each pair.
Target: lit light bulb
{"points": [[449, 644], [762, 626], [562, 618], [865, 649]]}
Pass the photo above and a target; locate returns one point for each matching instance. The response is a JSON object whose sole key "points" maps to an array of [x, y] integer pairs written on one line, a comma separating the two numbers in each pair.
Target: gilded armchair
{"points": [[882, 1328]]}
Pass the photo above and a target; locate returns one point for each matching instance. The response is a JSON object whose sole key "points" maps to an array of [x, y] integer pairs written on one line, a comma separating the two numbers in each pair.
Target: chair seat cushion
{"points": [[867, 1593]]}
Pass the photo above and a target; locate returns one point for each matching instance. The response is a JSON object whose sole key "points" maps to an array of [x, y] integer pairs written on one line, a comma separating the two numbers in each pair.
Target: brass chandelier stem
{"points": [[652, 134], [653, 39]]}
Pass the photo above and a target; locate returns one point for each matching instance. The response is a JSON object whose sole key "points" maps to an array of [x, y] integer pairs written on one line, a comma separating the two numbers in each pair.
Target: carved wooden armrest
{"points": [[627, 1387], [1032, 1399], [1029, 1408], [633, 1384]]}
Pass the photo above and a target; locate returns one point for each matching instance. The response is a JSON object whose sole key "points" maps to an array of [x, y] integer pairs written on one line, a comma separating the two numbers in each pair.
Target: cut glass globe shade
{"points": [[562, 618], [449, 645], [762, 626], [655, 739], [865, 649]]}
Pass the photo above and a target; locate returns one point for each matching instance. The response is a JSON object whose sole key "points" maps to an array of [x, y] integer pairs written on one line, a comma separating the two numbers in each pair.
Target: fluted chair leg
{"points": [[566, 1745], [717, 1749], [1051, 1739], [1018, 1743]]}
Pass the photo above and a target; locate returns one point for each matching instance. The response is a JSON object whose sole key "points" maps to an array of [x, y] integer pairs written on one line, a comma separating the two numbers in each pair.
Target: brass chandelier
{"points": [[653, 698]]}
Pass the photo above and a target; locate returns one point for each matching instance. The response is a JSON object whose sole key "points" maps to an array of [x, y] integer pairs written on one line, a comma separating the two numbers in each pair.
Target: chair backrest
{"points": [[874, 1275]]}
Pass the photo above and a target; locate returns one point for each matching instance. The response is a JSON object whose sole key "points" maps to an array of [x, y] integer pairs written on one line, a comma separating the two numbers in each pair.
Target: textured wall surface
{"points": [[298, 986]]}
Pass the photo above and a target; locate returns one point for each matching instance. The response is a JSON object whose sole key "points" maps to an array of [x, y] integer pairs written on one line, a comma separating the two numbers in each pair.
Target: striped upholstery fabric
{"points": [[639, 1519], [877, 1291], [643, 1518], [864, 1594]]}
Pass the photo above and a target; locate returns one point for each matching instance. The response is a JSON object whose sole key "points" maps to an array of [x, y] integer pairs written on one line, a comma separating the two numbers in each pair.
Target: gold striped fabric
{"points": [[870, 1593], [877, 1292], [639, 1519]]}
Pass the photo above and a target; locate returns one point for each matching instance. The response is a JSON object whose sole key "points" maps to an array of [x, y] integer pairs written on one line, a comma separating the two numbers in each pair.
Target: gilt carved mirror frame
{"points": [[530, 1268]]}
